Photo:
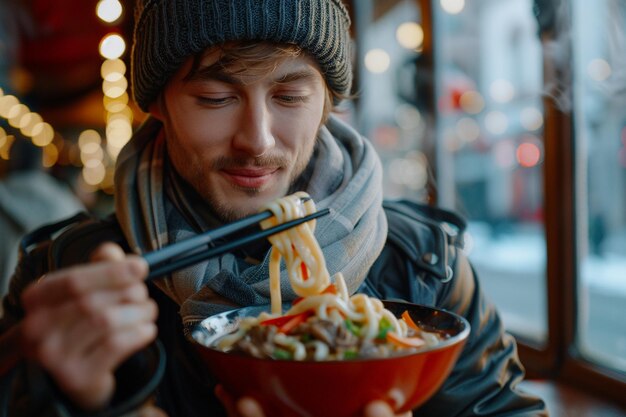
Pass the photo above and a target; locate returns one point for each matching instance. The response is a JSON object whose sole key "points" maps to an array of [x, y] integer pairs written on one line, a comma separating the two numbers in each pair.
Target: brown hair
{"points": [[259, 58]]}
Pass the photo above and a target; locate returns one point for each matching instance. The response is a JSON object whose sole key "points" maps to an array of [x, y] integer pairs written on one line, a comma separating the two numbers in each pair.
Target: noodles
{"points": [[324, 323], [306, 266]]}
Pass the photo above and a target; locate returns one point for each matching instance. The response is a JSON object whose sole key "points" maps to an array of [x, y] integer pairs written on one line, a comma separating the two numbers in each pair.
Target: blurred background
{"points": [[509, 111]]}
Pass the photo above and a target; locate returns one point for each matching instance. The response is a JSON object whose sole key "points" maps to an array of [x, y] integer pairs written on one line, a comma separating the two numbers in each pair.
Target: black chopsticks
{"points": [[166, 260]]}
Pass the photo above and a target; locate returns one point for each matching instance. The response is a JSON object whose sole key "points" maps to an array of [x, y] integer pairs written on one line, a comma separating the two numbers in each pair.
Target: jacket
{"points": [[422, 262]]}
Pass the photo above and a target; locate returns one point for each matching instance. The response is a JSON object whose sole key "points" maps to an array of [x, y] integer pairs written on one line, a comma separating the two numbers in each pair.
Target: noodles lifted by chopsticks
{"points": [[324, 323], [303, 256]]}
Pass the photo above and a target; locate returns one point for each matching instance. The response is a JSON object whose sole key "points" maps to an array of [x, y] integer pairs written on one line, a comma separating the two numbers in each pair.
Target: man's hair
{"points": [[259, 59], [168, 32]]}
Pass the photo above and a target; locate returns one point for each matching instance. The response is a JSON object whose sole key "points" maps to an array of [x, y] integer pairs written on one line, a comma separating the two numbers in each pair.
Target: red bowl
{"points": [[335, 388]]}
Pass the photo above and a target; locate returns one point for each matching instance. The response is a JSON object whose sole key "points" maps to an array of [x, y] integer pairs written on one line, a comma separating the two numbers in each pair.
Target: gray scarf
{"points": [[345, 176]]}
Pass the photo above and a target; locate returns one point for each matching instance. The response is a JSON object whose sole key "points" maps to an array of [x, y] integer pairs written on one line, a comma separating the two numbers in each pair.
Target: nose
{"points": [[254, 135]]}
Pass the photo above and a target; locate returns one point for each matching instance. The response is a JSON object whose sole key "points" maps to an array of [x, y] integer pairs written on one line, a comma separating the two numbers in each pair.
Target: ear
{"points": [[156, 110]]}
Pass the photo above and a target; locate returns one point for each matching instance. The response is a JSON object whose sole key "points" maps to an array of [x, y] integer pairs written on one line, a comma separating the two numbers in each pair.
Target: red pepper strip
{"points": [[305, 272], [287, 323], [295, 320], [331, 289], [409, 321], [404, 341]]}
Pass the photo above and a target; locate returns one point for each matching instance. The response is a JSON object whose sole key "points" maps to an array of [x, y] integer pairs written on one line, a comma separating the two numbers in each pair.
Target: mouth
{"points": [[250, 177]]}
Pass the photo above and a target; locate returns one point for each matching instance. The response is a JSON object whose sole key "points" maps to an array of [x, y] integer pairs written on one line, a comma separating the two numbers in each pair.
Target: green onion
{"points": [[350, 354], [384, 326], [353, 328], [282, 354]]}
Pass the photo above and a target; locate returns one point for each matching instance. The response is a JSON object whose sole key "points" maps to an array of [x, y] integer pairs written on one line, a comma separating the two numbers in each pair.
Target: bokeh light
{"points": [[115, 89], [453, 6], [43, 134], [50, 155], [6, 104], [502, 91], [467, 129], [472, 102], [528, 154], [112, 46], [408, 117], [503, 154], [531, 118], [109, 10], [377, 61], [410, 35], [113, 69], [599, 69], [496, 122]]}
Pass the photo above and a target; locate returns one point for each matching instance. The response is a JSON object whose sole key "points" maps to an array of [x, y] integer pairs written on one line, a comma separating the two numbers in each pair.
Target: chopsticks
{"points": [[170, 258]]}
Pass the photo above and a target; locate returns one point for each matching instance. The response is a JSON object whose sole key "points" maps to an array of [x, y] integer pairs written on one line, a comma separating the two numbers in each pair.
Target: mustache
{"points": [[225, 162]]}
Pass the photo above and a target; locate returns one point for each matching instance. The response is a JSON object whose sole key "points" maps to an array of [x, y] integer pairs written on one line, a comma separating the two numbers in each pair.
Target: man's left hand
{"points": [[248, 407]]}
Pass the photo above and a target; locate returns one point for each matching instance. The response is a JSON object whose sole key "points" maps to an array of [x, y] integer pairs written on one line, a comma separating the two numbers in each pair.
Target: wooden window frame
{"points": [[558, 359]]}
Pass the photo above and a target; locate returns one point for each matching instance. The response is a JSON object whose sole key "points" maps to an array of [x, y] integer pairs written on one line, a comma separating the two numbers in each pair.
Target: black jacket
{"points": [[422, 262]]}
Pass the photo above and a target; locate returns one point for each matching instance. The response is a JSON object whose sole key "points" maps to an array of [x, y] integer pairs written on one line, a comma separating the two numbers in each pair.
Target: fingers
{"points": [[79, 281], [248, 407], [244, 407], [82, 339], [379, 409], [151, 411], [81, 323], [226, 400]]}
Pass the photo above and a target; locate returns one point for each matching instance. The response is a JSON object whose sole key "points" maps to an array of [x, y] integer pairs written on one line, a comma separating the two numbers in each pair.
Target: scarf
{"points": [[153, 210]]}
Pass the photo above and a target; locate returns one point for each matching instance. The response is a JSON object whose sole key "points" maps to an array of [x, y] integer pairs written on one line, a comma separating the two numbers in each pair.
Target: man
{"points": [[240, 94]]}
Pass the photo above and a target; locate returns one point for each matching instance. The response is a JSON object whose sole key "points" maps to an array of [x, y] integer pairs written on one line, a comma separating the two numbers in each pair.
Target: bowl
{"points": [[287, 388]]}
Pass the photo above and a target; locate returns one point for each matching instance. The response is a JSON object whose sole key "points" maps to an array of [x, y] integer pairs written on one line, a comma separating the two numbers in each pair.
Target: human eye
{"points": [[214, 101], [291, 99]]}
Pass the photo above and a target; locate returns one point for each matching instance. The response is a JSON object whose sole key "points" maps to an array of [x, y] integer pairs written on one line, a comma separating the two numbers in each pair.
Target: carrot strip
{"points": [[409, 321], [404, 342]]}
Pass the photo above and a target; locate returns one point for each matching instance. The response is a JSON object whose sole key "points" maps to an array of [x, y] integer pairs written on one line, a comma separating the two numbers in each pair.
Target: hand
{"points": [[150, 411], [81, 323], [248, 407]]}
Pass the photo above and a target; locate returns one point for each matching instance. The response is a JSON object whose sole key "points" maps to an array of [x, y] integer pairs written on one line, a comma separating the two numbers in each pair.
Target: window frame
{"points": [[558, 359]]}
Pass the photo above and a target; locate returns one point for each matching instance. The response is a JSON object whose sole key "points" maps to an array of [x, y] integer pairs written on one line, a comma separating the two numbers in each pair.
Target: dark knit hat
{"points": [[167, 32]]}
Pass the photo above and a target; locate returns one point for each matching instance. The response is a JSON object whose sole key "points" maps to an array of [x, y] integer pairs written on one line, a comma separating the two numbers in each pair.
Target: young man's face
{"points": [[240, 140]]}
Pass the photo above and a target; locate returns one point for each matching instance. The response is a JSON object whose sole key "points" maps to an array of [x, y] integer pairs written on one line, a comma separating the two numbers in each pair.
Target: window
{"points": [[600, 135], [511, 112], [490, 149]]}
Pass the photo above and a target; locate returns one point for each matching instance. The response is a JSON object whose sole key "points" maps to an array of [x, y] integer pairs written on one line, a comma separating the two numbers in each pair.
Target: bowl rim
{"points": [[199, 336]]}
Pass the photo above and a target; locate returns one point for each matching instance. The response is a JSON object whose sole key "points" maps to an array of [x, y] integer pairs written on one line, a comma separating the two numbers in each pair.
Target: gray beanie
{"points": [[167, 32]]}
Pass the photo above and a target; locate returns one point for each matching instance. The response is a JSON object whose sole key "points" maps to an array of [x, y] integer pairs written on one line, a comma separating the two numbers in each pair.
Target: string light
{"points": [[112, 46], [30, 124], [95, 155], [109, 10], [119, 116]]}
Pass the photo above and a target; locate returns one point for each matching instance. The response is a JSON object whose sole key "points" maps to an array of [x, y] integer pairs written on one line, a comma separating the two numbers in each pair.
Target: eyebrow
{"points": [[215, 73], [302, 75]]}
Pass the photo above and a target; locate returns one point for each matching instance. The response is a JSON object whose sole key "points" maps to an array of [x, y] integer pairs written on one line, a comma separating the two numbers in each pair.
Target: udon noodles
{"points": [[324, 322]]}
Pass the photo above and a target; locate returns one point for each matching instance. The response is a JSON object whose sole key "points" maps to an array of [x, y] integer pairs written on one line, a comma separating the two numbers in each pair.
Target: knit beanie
{"points": [[167, 32]]}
